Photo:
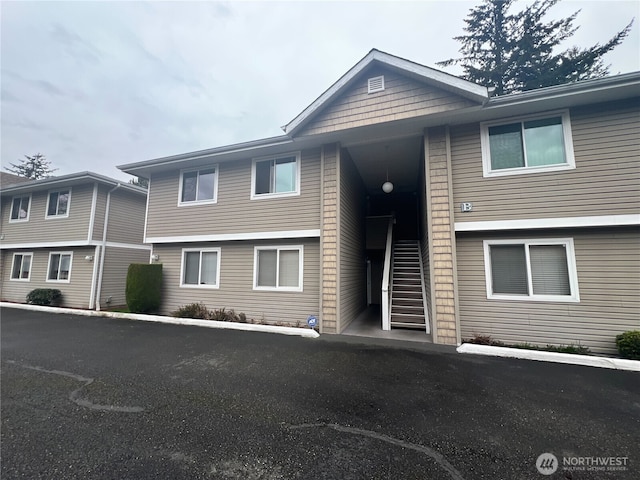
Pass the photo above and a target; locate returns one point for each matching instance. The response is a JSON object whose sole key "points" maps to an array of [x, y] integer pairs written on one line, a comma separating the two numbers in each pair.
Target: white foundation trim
{"points": [[223, 237], [561, 222]]}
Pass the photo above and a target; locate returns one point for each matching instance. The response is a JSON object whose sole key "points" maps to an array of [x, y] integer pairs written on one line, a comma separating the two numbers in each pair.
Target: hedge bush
{"points": [[200, 311], [44, 296], [629, 344], [193, 310], [143, 290]]}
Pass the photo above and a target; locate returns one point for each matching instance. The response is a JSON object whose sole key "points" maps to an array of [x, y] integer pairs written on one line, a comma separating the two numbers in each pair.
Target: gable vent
{"points": [[375, 84]]}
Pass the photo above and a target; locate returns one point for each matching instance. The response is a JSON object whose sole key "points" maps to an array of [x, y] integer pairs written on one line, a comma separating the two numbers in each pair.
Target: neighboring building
{"points": [[515, 216], [77, 233]]}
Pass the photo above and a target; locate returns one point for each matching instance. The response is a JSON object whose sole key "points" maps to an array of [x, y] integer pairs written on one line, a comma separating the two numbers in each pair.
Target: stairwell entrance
{"points": [[391, 243]]}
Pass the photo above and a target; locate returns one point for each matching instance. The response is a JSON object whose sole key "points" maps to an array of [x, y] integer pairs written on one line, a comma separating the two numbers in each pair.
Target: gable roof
{"points": [[7, 179], [71, 179], [428, 75]]}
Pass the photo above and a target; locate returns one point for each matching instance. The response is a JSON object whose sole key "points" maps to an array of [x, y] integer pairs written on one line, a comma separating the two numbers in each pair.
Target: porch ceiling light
{"points": [[387, 187]]}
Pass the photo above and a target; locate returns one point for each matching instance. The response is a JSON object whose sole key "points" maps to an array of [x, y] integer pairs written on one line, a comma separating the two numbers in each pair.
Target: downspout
{"points": [[104, 245]]}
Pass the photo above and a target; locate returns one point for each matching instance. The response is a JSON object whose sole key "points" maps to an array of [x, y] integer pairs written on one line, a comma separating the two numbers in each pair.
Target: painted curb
{"points": [[586, 360], [249, 327]]}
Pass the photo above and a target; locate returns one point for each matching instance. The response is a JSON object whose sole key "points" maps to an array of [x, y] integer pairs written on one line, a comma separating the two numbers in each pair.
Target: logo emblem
{"points": [[547, 463]]}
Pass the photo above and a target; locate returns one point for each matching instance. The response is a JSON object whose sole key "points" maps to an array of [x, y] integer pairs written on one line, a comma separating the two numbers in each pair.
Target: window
{"points": [[531, 270], [278, 268], [21, 268], [58, 204], [20, 209], [276, 176], [59, 267], [532, 144], [198, 186], [200, 268]]}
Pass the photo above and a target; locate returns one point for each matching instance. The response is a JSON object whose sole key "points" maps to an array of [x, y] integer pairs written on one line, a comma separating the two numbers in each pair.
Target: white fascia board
{"points": [[131, 246], [224, 237], [459, 85], [67, 244], [537, 223]]}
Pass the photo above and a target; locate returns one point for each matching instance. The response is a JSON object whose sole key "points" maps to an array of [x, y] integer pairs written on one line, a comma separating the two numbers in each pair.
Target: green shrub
{"points": [[193, 310], [44, 296], [143, 290], [629, 344]]}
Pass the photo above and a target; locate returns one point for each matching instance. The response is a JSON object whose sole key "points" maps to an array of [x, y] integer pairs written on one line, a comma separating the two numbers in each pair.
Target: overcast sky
{"points": [[93, 85]]}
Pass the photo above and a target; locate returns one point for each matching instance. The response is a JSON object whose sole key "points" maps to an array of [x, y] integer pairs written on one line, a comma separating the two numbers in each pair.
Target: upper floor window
{"points": [[278, 268], [59, 267], [199, 186], [20, 209], [21, 268], [201, 268], [532, 144], [276, 176], [542, 269], [58, 203]]}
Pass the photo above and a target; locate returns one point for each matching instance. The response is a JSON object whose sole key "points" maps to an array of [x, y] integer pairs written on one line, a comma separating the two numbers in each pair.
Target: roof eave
{"points": [[142, 168], [72, 178]]}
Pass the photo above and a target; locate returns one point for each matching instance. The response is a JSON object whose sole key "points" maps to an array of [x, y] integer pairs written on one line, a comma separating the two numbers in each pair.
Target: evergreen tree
{"points": [[34, 167], [518, 52]]}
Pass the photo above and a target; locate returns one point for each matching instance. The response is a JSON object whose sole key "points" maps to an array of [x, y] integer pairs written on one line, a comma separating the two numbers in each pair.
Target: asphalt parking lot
{"points": [[93, 398]]}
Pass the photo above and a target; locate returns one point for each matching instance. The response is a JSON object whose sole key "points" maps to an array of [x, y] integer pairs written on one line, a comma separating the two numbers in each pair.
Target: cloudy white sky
{"points": [[93, 85]]}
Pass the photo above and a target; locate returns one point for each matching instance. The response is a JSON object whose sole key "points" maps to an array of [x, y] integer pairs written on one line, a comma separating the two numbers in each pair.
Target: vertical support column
{"points": [[441, 236], [329, 246]]}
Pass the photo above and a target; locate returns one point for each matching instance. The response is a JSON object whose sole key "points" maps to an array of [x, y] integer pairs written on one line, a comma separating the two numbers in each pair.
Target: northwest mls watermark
{"points": [[547, 464]]}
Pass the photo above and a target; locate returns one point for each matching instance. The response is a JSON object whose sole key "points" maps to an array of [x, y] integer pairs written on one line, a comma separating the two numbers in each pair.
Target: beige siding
{"points": [[75, 294], [114, 278], [126, 217], [101, 205], [75, 227], [353, 285], [605, 181], [402, 98], [441, 248], [236, 283], [234, 211], [329, 245], [608, 265]]}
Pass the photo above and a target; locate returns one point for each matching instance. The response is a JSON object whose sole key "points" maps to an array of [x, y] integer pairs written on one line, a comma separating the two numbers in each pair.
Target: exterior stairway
{"points": [[407, 305]]}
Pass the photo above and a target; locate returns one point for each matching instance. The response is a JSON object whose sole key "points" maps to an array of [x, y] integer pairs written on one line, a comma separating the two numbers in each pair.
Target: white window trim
{"points": [[571, 267], [201, 251], [566, 134], [278, 248], [68, 280], [215, 186], [13, 264], [295, 193], [20, 220], [46, 212]]}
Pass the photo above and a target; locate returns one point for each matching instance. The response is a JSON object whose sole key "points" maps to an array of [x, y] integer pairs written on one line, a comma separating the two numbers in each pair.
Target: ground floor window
{"points": [[200, 268], [59, 267], [21, 268], [278, 268], [541, 269]]}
